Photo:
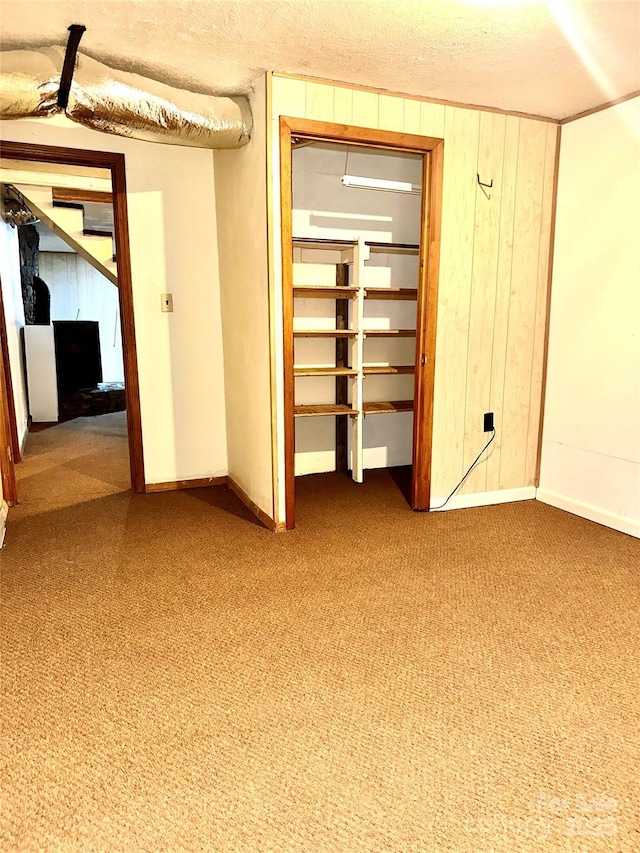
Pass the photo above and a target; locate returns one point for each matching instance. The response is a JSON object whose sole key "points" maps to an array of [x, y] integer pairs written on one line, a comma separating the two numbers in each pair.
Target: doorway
{"points": [[352, 248], [115, 266]]}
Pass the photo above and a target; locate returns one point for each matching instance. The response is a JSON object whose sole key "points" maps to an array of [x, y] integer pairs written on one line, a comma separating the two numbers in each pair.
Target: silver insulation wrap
{"points": [[121, 103], [29, 82]]}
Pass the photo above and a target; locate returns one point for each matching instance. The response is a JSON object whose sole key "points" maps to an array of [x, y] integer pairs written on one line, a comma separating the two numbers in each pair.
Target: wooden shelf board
{"points": [[393, 248], [389, 333], [391, 293], [324, 371], [384, 408], [321, 243], [325, 292], [325, 409], [387, 369], [325, 333]]}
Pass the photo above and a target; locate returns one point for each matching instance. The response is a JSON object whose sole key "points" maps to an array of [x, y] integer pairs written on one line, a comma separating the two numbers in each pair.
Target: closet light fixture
{"points": [[362, 183]]}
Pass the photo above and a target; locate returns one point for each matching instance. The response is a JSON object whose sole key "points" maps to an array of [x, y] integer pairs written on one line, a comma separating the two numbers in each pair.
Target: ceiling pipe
{"points": [[118, 102]]}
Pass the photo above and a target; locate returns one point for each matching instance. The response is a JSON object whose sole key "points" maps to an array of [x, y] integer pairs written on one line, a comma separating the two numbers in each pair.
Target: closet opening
{"points": [[360, 246]]}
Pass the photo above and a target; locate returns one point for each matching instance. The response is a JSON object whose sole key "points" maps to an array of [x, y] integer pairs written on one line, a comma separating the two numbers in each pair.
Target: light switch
{"points": [[167, 302]]}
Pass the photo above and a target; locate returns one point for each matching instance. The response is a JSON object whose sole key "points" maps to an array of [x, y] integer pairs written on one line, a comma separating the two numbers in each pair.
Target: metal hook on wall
{"points": [[482, 186]]}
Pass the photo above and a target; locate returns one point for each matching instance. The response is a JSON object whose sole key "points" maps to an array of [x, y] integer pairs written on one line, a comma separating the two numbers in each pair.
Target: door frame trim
{"points": [[432, 151], [115, 163]]}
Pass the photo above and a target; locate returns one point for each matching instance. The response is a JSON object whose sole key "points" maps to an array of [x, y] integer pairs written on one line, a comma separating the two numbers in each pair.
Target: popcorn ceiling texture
{"points": [[508, 55]]}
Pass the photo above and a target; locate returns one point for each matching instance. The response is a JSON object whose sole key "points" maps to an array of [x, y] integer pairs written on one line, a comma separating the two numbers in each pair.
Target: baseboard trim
{"points": [[4, 512], [173, 485], [590, 512], [501, 496], [25, 436], [261, 515]]}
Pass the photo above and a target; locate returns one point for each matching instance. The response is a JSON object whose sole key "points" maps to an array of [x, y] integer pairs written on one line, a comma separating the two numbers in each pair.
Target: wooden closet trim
{"points": [[426, 321], [115, 163], [16, 450], [8, 427], [432, 150]]}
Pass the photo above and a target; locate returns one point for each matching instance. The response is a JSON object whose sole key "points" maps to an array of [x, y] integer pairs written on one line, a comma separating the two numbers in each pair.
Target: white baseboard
{"points": [[591, 513], [502, 496], [4, 510]]}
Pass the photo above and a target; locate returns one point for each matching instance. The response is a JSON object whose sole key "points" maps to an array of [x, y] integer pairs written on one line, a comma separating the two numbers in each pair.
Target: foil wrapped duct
{"points": [[121, 103], [29, 82]]}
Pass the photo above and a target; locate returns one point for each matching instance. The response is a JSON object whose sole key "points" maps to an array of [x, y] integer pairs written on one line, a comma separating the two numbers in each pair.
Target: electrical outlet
{"points": [[488, 422], [167, 302]]}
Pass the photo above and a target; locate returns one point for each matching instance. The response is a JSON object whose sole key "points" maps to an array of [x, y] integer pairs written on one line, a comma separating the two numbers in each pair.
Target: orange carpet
{"points": [[176, 678]]}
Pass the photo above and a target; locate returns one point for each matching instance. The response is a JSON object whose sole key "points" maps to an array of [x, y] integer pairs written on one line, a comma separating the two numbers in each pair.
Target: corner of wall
{"points": [[4, 511]]}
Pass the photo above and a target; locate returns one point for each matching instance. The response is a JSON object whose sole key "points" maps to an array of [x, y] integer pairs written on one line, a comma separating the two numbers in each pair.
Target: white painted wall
{"points": [[14, 316], [79, 292], [591, 438], [40, 351], [324, 208], [242, 238], [172, 222]]}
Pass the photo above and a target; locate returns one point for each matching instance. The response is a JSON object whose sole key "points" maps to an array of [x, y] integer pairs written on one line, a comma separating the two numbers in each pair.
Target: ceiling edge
{"points": [[598, 109], [379, 91]]}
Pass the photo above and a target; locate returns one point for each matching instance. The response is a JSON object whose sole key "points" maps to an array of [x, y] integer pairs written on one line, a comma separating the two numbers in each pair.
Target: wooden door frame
{"points": [[115, 163], [16, 450], [8, 428], [432, 151]]}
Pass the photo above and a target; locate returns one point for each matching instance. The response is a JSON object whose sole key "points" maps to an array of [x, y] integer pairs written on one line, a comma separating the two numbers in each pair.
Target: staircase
{"points": [[66, 219]]}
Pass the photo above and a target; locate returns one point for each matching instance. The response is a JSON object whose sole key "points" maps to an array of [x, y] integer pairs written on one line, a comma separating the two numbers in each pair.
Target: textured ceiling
{"points": [[552, 58]]}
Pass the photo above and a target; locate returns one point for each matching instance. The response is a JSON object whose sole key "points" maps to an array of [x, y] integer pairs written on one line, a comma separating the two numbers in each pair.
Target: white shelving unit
{"points": [[356, 294]]}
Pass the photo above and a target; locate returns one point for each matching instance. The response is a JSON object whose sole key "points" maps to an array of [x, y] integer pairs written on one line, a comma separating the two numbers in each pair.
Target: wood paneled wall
{"points": [[493, 270], [79, 292]]}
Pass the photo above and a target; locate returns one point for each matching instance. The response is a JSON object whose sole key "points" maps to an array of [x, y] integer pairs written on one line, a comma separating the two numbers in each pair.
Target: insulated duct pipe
{"points": [[118, 102]]}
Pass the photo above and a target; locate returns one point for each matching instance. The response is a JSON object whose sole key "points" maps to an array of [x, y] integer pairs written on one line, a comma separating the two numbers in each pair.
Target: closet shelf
{"points": [[327, 409], [324, 371], [322, 243], [374, 245], [388, 407], [325, 333], [328, 292], [389, 333], [393, 248], [387, 369], [391, 293]]}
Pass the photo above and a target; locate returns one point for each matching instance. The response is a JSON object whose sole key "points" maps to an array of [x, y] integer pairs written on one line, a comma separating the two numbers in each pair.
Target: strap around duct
{"points": [[76, 32]]}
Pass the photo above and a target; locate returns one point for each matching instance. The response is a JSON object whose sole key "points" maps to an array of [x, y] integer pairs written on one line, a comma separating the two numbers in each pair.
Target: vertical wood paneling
{"points": [[78, 291], [458, 211], [59, 274], [493, 271], [319, 102], [537, 360], [522, 304], [390, 113], [343, 105], [87, 292], [432, 119], [365, 109], [289, 97], [45, 264], [503, 293], [483, 294], [411, 122]]}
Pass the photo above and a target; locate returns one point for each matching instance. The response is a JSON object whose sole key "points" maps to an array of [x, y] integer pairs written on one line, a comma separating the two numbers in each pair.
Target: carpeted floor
{"points": [[176, 678]]}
